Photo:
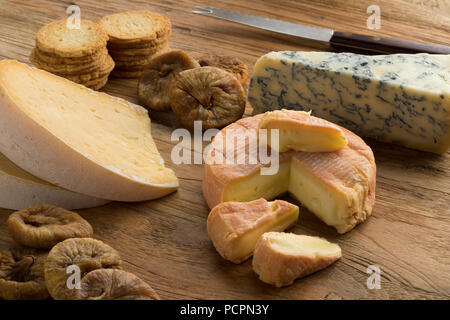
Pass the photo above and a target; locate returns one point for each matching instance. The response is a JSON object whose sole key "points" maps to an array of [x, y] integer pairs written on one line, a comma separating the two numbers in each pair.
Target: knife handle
{"points": [[346, 41]]}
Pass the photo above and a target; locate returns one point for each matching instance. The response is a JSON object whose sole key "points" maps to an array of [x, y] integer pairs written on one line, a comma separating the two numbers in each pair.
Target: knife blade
{"points": [[342, 41]]}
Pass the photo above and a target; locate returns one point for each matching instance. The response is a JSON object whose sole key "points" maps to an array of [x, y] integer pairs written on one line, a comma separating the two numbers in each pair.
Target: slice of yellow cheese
{"points": [[19, 189], [298, 130], [235, 227], [82, 140], [280, 258], [338, 187]]}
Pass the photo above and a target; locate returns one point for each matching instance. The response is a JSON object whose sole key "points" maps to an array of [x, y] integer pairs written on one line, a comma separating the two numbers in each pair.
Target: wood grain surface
{"points": [[441, 6], [165, 241]]}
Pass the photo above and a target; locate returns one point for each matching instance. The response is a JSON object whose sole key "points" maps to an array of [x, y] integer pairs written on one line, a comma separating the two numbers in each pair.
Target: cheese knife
{"points": [[342, 41]]}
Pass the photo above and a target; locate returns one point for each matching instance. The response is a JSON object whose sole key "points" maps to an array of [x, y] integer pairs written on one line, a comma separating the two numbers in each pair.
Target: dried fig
{"points": [[209, 94], [154, 83], [44, 225], [227, 63], [113, 284], [22, 274], [86, 253]]}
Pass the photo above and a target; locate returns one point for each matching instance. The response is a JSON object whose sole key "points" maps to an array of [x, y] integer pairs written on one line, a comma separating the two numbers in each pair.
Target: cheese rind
{"points": [[79, 139], [19, 189], [338, 187], [401, 98], [280, 258], [298, 130], [235, 227]]}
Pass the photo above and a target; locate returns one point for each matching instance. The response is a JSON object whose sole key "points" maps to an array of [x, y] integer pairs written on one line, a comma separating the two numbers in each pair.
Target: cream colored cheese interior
{"points": [[109, 131], [279, 222], [294, 244], [331, 205], [258, 186], [307, 140]]}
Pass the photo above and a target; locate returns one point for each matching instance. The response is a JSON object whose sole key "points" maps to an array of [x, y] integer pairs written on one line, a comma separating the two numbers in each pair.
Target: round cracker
{"points": [[124, 53], [133, 64], [140, 62], [119, 45], [65, 69], [105, 69], [49, 58], [96, 84], [57, 38], [131, 58], [136, 26], [118, 73]]}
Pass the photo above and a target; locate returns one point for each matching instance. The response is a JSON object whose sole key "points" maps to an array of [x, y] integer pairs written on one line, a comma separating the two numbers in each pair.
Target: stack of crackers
{"points": [[135, 37], [77, 53]]}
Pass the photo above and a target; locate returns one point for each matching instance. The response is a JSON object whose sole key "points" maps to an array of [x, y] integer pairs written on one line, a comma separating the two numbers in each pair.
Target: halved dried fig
{"points": [[86, 253], [113, 284], [227, 63], [154, 83], [22, 274], [44, 225], [208, 94]]}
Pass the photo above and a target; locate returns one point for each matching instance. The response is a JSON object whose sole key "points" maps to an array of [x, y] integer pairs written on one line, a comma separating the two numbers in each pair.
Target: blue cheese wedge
{"points": [[402, 98]]}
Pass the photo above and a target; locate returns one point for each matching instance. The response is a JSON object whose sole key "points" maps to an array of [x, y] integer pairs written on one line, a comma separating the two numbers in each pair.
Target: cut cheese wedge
{"points": [[298, 130], [235, 227], [338, 187], [19, 189], [280, 258], [79, 139]]}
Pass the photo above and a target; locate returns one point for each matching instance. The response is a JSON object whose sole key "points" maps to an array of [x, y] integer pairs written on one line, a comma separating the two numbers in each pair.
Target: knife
{"points": [[342, 41]]}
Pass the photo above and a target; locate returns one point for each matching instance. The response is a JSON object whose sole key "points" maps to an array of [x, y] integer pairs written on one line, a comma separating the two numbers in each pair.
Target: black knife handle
{"points": [[345, 41]]}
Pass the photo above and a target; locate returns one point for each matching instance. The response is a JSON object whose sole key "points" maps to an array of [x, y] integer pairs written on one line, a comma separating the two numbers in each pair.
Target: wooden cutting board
{"points": [[165, 241]]}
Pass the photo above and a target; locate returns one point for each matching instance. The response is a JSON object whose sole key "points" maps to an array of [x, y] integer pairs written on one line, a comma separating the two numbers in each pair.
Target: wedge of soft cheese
{"points": [[280, 258], [19, 189], [235, 227], [338, 187], [400, 98], [298, 130], [79, 139]]}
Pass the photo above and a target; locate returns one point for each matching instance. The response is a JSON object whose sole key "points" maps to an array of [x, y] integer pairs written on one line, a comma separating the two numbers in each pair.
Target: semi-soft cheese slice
{"points": [[338, 187], [19, 189], [235, 227], [280, 258], [399, 98], [79, 139], [298, 130]]}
